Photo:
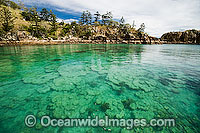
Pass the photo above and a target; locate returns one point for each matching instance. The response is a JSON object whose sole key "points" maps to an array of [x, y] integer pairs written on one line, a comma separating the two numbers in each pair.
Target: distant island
{"points": [[20, 25]]}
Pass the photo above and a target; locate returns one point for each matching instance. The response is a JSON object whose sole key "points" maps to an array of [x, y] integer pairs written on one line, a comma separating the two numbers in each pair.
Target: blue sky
{"points": [[159, 16], [58, 12]]}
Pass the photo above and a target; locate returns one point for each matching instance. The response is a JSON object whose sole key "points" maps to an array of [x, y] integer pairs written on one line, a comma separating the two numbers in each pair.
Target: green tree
{"points": [[110, 16], [142, 27], [2, 2], [122, 21], [14, 5], [86, 18], [66, 29], [7, 19], [62, 23], [106, 18], [75, 28], [97, 16], [83, 18], [44, 14], [36, 19], [21, 4], [53, 21], [26, 14], [10, 4]]}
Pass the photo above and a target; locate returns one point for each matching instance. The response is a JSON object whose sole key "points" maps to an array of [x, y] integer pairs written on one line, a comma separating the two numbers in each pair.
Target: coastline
{"points": [[57, 42]]}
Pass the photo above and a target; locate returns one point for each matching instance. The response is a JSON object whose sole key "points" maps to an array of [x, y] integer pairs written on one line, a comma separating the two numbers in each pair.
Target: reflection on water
{"points": [[119, 81]]}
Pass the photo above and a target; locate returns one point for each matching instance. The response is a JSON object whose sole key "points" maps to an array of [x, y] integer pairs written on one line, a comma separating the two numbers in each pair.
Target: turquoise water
{"points": [[119, 81]]}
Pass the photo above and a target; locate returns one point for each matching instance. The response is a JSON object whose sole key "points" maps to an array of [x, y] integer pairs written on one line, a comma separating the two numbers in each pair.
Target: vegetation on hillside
{"points": [[17, 21], [7, 20], [43, 24], [10, 4]]}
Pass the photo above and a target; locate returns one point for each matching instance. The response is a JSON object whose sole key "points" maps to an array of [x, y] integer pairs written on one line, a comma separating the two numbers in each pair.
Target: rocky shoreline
{"points": [[186, 37], [54, 42], [22, 38]]}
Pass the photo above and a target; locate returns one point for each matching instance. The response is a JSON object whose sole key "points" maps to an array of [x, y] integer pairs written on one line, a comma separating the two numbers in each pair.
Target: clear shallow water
{"points": [[120, 81]]}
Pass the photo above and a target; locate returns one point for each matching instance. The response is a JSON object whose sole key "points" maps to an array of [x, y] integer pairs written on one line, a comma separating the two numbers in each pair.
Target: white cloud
{"points": [[67, 20], [160, 16]]}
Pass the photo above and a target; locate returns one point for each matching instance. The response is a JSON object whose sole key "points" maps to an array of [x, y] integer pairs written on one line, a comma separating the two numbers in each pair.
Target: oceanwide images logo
{"points": [[46, 121]]}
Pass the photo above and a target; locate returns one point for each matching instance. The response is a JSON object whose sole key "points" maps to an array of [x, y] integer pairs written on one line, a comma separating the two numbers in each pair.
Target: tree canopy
{"points": [[7, 20]]}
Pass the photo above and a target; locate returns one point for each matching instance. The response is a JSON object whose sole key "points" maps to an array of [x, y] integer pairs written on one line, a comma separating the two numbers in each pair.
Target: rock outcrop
{"points": [[103, 37], [116, 35], [186, 37]]}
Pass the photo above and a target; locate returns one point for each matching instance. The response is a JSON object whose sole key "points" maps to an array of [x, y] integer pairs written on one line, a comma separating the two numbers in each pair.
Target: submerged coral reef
{"points": [[79, 85]]}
